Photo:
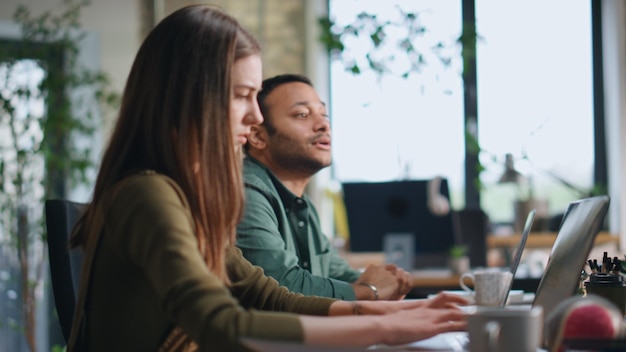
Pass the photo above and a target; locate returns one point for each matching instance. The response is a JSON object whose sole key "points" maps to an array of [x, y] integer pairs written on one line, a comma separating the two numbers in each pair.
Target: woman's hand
{"points": [[396, 322], [410, 325], [445, 300], [441, 300]]}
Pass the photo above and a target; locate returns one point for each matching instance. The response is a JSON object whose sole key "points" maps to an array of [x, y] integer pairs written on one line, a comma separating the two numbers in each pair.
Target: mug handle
{"points": [[463, 285], [493, 333]]}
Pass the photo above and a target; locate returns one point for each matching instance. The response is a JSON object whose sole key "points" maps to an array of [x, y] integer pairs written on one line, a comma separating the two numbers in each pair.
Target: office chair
{"points": [[65, 264]]}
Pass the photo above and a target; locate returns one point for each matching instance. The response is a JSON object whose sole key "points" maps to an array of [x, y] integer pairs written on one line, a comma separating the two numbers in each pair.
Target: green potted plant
{"points": [[458, 260], [49, 101]]}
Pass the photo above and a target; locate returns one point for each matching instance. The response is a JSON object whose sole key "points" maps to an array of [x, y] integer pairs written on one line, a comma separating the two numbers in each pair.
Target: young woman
{"points": [[169, 195]]}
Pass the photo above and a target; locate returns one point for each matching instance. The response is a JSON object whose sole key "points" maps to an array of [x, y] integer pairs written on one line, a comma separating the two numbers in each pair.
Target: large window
{"points": [[37, 105], [534, 90], [388, 127], [21, 209], [535, 98]]}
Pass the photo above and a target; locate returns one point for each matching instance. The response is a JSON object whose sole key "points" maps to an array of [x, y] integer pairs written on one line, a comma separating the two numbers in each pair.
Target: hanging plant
{"points": [[390, 42]]}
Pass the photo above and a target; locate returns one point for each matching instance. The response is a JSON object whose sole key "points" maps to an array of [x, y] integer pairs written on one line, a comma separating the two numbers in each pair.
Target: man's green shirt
{"points": [[281, 233]]}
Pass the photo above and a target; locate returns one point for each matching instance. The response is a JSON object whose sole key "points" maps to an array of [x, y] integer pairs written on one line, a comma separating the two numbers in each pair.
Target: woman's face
{"points": [[246, 82]]}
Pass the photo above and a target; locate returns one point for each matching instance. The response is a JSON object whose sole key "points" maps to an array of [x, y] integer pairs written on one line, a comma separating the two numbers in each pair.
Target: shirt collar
{"points": [[289, 199]]}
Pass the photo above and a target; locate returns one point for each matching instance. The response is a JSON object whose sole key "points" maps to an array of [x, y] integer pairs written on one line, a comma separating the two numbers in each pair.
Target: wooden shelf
{"points": [[535, 240], [541, 240]]}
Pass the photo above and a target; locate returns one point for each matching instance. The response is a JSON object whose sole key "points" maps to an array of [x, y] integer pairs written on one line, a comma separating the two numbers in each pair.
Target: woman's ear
{"points": [[258, 137]]}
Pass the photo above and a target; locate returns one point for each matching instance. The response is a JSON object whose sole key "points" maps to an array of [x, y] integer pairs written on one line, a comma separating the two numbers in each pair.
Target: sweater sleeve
{"points": [[152, 228], [255, 290]]}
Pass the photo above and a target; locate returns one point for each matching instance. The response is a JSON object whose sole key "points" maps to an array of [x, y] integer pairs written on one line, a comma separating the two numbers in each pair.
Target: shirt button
{"points": [[300, 223], [305, 264], [299, 201]]}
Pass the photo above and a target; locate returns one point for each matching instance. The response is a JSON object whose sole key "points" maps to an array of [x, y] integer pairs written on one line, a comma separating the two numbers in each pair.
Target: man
{"points": [[280, 230]]}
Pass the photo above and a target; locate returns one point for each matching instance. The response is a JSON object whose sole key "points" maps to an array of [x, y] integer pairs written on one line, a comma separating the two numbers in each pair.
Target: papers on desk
{"points": [[515, 296]]}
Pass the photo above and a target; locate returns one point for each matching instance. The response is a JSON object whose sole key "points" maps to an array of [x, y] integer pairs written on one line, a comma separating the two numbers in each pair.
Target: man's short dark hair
{"points": [[269, 85]]}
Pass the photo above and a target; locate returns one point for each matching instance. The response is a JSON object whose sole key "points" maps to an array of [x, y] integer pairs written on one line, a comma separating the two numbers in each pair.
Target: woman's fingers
{"points": [[444, 299]]}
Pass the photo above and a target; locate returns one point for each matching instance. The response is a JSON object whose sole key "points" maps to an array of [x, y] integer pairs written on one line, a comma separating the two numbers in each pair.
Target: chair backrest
{"points": [[65, 264]]}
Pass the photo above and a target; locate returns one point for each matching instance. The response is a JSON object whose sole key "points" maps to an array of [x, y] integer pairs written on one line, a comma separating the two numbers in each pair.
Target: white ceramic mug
{"points": [[490, 286], [498, 329]]}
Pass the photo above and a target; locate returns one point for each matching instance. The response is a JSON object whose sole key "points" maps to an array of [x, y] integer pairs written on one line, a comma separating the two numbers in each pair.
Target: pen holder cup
{"points": [[609, 286]]}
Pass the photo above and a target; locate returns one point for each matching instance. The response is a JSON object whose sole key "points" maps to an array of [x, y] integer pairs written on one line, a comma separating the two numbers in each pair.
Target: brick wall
{"points": [[279, 25]]}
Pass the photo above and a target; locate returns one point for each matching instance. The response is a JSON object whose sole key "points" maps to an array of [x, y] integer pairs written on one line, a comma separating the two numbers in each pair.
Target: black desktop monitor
{"points": [[376, 209]]}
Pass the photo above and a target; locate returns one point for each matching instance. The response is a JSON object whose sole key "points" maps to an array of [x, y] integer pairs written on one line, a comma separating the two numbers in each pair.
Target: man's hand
{"points": [[391, 282], [405, 280]]}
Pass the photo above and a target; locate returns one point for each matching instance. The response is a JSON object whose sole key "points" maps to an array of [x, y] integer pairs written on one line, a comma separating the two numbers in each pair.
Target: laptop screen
{"points": [[518, 253], [580, 225]]}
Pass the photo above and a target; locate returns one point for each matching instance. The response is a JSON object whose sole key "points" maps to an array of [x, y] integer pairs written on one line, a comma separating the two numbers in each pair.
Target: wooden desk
{"points": [[541, 240], [444, 280], [435, 279], [441, 279], [426, 283]]}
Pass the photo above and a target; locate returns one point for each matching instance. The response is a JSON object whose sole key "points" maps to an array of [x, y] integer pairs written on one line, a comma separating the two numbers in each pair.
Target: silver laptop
{"points": [[458, 341], [581, 223], [518, 254]]}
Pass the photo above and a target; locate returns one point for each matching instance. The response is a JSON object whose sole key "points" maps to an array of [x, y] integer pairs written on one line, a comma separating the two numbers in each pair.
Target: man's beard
{"points": [[293, 155]]}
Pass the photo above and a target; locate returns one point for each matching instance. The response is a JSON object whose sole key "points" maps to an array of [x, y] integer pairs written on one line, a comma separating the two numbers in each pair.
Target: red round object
{"points": [[590, 321], [590, 317]]}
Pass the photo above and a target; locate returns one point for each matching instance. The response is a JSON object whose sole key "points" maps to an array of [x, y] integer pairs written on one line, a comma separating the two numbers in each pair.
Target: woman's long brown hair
{"points": [[174, 120]]}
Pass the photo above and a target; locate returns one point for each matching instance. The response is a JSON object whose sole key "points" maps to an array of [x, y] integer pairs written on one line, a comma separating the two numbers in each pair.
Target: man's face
{"points": [[301, 140]]}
